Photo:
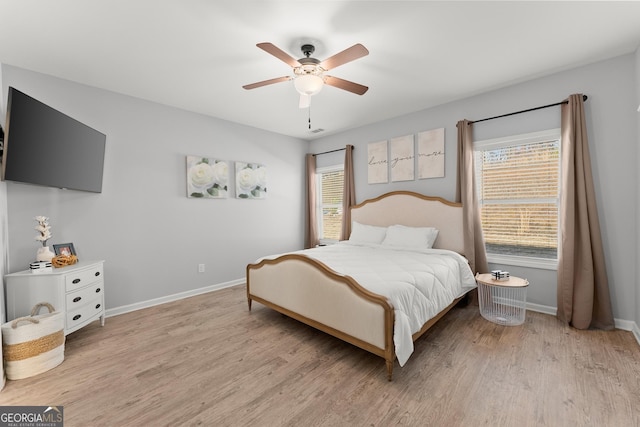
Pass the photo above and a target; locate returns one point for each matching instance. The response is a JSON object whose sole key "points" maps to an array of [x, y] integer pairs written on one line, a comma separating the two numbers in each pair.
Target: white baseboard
{"points": [[625, 325], [169, 298], [542, 309], [629, 325], [636, 332]]}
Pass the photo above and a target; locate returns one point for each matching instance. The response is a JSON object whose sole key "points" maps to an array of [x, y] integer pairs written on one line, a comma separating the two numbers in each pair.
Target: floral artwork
{"points": [[207, 178], [251, 181]]}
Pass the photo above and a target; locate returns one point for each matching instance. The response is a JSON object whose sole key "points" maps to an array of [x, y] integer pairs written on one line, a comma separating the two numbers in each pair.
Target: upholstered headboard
{"points": [[415, 210]]}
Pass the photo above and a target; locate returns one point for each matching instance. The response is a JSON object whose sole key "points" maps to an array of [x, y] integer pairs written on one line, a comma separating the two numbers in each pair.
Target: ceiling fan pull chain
{"points": [[309, 117]]}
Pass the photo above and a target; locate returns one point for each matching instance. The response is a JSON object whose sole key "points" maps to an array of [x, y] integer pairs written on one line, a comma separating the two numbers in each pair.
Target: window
{"points": [[518, 184], [330, 182]]}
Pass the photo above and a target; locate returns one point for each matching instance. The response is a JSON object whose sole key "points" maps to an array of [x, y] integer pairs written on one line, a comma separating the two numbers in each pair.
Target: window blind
{"points": [[518, 192], [331, 204]]}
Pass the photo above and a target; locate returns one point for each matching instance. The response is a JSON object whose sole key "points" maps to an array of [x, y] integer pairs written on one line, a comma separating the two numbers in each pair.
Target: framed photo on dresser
{"points": [[65, 249]]}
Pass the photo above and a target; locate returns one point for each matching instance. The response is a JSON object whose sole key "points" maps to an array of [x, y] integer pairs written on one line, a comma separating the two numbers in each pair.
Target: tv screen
{"points": [[46, 147]]}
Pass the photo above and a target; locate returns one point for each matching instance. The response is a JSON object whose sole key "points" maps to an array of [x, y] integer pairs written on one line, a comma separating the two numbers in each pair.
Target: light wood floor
{"points": [[207, 361]]}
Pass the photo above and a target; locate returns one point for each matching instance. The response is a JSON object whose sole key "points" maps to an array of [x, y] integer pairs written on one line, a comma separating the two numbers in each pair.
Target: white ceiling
{"points": [[197, 54]]}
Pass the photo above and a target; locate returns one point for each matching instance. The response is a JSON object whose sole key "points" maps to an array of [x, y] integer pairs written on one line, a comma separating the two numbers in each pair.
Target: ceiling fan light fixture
{"points": [[308, 84], [308, 73]]}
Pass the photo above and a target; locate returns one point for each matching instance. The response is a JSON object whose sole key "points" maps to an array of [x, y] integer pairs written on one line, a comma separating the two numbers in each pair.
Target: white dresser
{"points": [[78, 290]]}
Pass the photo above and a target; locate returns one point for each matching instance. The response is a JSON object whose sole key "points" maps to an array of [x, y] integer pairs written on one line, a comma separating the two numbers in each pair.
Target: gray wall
{"points": [[613, 138], [150, 234], [153, 237], [4, 234]]}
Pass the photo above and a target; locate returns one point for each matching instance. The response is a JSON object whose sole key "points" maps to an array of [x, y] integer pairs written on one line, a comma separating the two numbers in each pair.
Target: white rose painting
{"points": [[207, 178], [251, 181]]}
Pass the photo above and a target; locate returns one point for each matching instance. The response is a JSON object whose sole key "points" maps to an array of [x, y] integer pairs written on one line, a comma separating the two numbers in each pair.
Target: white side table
{"points": [[502, 301]]}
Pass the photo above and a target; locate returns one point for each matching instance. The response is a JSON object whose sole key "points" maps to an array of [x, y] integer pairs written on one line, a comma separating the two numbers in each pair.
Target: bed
{"points": [[378, 293]]}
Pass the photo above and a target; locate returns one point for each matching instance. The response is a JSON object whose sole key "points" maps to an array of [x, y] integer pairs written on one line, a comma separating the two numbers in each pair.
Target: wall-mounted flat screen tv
{"points": [[46, 147]]}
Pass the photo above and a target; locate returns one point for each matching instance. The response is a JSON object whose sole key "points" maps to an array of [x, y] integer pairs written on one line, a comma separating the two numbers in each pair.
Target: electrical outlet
{"points": [[200, 268]]}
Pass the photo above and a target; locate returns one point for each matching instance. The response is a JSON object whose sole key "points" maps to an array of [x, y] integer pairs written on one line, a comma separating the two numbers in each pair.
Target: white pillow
{"points": [[361, 233], [410, 237]]}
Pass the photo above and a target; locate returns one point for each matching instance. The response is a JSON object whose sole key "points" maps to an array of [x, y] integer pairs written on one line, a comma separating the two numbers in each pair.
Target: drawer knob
{"points": [[98, 290], [77, 316], [76, 281], [76, 299], [97, 273], [97, 306]]}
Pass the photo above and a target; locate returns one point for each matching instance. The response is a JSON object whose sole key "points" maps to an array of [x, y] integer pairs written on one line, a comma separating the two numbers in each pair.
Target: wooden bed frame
{"points": [[309, 291]]}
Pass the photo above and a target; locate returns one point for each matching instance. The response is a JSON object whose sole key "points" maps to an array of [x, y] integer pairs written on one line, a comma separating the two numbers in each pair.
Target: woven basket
{"points": [[33, 344]]}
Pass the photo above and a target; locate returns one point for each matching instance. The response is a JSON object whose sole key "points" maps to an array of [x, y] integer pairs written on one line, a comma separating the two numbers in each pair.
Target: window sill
{"points": [[539, 263]]}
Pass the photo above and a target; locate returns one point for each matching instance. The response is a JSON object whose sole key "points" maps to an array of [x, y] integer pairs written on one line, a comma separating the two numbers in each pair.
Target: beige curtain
{"points": [[583, 289], [349, 193], [474, 248], [311, 235]]}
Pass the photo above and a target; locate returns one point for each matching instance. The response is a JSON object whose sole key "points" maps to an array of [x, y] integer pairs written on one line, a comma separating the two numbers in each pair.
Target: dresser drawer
{"points": [[82, 278], [88, 312], [83, 296]]}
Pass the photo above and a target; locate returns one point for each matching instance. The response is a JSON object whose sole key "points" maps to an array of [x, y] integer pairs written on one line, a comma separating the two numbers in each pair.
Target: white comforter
{"points": [[419, 283]]}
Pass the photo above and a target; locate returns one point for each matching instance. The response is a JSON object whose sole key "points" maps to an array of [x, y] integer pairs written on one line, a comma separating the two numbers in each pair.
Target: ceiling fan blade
{"points": [[279, 53], [350, 54], [267, 82], [356, 88], [305, 101]]}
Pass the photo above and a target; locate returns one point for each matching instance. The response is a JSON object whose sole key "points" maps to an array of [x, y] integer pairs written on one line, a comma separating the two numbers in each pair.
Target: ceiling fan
{"points": [[309, 73]]}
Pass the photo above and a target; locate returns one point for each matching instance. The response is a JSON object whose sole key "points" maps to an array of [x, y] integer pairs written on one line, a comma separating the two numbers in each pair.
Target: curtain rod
{"points": [[584, 98], [332, 151]]}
